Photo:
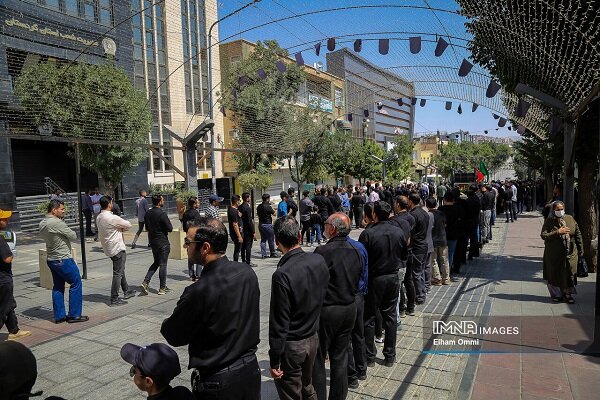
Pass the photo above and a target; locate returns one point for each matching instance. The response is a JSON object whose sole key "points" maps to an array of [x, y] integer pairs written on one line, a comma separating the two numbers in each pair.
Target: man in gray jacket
{"points": [[58, 237]]}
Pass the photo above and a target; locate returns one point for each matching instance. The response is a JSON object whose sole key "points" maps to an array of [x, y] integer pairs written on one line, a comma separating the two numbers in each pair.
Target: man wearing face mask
{"points": [[218, 317]]}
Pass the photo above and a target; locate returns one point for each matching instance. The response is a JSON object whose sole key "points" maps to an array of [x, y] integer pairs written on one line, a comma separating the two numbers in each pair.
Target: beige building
{"points": [[171, 66], [320, 86]]}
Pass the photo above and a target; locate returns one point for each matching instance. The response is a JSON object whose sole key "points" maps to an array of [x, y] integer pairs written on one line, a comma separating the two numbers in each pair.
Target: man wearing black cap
{"points": [[19, 371], [218, 317], [153, 367]]}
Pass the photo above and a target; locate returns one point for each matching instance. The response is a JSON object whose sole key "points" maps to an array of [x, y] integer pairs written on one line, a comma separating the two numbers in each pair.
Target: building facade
{"points": [[320, 87], [34, 31], [160, 45], [372, 95]]}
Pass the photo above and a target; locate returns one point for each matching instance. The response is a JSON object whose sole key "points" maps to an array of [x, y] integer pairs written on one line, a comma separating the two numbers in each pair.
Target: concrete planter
{"points": [[46, 280], [176, 239]]}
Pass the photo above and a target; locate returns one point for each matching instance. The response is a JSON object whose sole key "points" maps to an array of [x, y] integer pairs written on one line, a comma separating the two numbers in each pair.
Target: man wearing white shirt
{"points": [[110, 233], [373, 196], [514, 189]]}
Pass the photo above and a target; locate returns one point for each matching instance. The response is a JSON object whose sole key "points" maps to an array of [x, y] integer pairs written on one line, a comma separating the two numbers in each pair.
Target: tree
{"points": [[400, 167], [89, 101], [261, 106], [337, 152], [465, 156], [363, 166]]}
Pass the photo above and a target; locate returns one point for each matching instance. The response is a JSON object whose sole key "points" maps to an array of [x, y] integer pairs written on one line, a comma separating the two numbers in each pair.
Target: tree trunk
{"points": [[587, 218]]}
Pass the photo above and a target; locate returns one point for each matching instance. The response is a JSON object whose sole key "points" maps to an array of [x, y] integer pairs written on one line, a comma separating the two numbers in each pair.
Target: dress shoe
{"points": [[81, 318], [370, 362], [132, 246], [252, 265], [118, 302], [411, 313], [362, 377], [20, 334], [389, 362], [129, 294], [274, 256], [60, 321], [353, 384]]}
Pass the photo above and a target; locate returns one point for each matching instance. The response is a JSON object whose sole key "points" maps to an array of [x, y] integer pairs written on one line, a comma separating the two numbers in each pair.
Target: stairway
{"points": [[30, 216]]}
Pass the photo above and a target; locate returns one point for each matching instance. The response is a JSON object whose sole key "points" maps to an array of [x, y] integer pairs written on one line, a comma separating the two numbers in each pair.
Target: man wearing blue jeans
{"points": [[58, 237]]}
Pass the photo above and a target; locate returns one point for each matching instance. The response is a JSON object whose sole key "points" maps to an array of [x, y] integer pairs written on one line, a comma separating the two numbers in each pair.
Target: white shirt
{"points": [[373, 197], [514, 191], [110, 232]]}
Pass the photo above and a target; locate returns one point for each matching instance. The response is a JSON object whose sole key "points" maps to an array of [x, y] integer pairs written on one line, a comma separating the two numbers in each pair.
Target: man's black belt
{"points": [[202, 383]]}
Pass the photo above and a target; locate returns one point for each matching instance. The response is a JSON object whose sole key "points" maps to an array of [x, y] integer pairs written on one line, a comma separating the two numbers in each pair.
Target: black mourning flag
{"points": [[441, 47], [522, 108], [358, 45], [331, 44], [492, 89], [415, 44], [384, 46], [448, 105], [318, 49], [299, 59], [465, 68], [474, 108]]}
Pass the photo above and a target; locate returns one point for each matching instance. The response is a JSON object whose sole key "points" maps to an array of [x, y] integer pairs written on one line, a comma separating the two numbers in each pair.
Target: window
{"points": [[235, 60], [339, 97], [89, 11], [71, 7]]}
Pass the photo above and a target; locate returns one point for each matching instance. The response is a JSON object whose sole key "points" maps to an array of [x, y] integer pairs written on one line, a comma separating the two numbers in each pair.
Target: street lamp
{"points": [[384, 163], [365, 126], [211, 106]]}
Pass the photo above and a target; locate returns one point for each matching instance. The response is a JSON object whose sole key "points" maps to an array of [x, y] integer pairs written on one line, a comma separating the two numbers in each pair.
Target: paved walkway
{"points": [[81, 361]]}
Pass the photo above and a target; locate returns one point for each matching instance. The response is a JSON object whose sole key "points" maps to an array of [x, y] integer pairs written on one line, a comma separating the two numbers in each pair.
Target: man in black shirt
{"points": [[265, 214], [336, 202], [324, 205], [297, 293], [357, 202], [248, 224], [339, 309], [218, 317], [191, 214], [454, 225], [472, 221], [291, 204], [419, 246], [385, 245], [7, 299], [158, 226], [234, 218], [407, 289]]}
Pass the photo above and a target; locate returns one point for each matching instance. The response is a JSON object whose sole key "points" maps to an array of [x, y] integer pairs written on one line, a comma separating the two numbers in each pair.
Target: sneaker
{"points": [[263, 256], [166, 289], [436, 282], [274, 255], [132, 245], [20, 334], [162, 291], [379, 339], [144, 287], [389, 362], [129, 294], [353, 384], [411, 313], [447, 281], [402, 314], [362, 376], [370, 362], [310, 245], [117, 303]]}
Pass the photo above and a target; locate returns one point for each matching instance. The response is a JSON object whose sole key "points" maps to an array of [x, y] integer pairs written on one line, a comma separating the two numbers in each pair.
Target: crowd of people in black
{"points": [[335, 303]]}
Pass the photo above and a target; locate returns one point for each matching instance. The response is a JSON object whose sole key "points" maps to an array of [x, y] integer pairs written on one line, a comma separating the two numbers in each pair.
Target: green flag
{"points": [[483, 169]]}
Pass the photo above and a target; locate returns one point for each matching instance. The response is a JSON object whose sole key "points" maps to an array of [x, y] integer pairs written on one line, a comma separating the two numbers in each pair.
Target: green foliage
{"points": [[89, 101], [260, 108], [254, 180], [400, 167], [42, 208], [337, 151], [363, 166], [465, 156], [536, 153]]}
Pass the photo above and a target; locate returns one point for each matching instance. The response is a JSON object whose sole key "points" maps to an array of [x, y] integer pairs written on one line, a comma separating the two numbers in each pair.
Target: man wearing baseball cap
{"points": [[7, 298], [153, 368], [212, 211]]}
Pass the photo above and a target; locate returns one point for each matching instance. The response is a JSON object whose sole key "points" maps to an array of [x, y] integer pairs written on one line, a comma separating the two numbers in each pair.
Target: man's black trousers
{"points": [[357, 355], [383, 295], [239, 381], [335, 328], [7, 308], [247, 247]]}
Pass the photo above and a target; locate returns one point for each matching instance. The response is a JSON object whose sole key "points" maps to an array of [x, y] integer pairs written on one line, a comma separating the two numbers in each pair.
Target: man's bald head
{"points": [[341, 223]]}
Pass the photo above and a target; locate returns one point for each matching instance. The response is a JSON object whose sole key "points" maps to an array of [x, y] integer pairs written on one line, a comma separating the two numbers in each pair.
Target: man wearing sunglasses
{"points": [[153, 367], [218, 317]]}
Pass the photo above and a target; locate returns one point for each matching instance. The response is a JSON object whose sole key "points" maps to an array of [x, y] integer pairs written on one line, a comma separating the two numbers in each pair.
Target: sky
{"points": [[435, 78]]}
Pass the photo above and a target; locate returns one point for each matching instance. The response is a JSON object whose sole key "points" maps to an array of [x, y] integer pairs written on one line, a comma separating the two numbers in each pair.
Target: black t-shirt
{"points": [[293, 207], [357, 200], [5, 268], [233, 215], [265, 213]]}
